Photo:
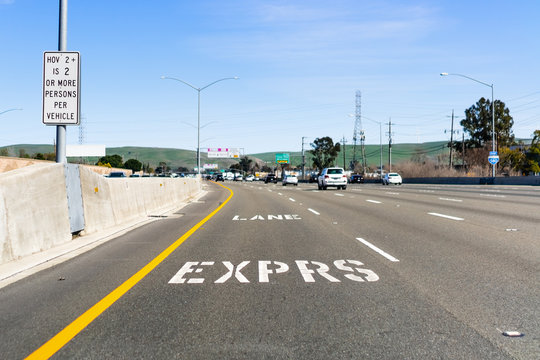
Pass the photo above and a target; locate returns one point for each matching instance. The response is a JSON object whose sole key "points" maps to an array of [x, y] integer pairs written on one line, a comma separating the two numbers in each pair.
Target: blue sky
{"points": [[299, 65]]}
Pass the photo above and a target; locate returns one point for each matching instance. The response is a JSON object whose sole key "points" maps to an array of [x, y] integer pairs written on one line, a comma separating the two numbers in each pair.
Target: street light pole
{"points": [[199, 112], [492, 113]]}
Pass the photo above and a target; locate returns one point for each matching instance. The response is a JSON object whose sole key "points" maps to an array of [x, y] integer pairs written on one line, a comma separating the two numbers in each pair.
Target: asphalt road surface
{"points": [[255, 271]]}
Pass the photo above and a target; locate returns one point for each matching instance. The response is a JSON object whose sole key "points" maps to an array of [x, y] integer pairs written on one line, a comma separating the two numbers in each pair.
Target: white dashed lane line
{"points": [[446, 216], [339, 194], [449, 199], [374, 201], [292, 199], [376, 249], [313, 211]]}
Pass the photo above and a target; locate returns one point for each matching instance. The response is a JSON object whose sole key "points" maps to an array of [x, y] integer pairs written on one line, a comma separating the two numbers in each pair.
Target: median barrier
{"points": [[34, 214], [112, 201], [33, 210]]}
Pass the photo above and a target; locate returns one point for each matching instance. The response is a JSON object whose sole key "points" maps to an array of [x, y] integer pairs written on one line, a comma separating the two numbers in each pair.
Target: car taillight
{"points": [[344, 176], [326, 176]]}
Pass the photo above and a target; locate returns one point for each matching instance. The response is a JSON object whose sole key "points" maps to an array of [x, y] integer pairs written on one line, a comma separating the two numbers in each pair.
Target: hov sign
{"points": [[61, 88]]}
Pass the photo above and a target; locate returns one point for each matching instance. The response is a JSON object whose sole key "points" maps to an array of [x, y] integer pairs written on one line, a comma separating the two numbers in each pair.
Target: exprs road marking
{"points": [[69, 332]]}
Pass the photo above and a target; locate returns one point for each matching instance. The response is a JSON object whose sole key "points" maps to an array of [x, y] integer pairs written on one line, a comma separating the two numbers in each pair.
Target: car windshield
{"points": [[335, 171], [393, 175]]}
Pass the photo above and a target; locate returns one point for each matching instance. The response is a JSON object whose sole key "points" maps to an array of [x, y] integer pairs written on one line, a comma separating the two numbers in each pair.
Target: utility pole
{"points": [[451, 138], [343, 141], [303, 160], [390, 145]]}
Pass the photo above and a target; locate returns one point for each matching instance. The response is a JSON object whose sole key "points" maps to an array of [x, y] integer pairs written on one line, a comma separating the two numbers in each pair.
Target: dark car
{"points": [[356, 179], [270, 178], [313, 177], [219, 177], [117, 174]]}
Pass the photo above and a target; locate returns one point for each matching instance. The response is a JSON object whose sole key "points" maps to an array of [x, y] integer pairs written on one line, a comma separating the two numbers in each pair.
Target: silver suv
{"points": [[334, 176]]}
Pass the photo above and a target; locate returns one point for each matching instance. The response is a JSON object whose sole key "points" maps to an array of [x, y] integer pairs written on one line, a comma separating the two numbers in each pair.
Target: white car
{"points": [[392, 178], [334, 176], [290, 179], [250, 178]]}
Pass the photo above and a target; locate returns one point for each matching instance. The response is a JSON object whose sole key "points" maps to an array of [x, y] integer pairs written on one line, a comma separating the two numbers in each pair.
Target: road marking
{"points": [[69, 332], [374, 201], [392, 193], [190, 272], [313, 211], [448, 199], [292, 199], [280, 194], [446, 216], [339, 194], [376, 249], [492, 195]]}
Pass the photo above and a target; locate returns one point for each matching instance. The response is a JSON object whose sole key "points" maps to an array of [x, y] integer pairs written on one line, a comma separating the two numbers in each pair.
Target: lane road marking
{"points": [[446, 216], [376, 249], [69, 332]]}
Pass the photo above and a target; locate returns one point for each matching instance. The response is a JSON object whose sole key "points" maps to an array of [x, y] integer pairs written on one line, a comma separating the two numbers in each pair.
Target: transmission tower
{"points": [[359, 135], [82, 131]]}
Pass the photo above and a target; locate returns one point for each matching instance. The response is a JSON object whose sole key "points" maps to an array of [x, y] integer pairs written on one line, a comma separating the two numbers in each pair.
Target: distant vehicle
{"points": [[270, 178], [238, 177], [135, 175], [314, 177], [250, 178], [356, 179], [392, 178], [334, 176], [219, 177], [290, 180], [229, 176], [117, 174]]}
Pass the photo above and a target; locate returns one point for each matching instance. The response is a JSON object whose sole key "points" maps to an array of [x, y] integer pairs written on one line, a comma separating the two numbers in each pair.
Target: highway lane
{"points": [[261, 295]]}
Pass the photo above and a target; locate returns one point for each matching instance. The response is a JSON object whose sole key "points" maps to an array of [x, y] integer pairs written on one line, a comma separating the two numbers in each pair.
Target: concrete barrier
{"points": [[34, 210], [112, 201]]}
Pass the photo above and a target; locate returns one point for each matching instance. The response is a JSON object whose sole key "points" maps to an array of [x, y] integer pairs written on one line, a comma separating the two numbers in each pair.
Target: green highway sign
{"points": [[282, 158]]}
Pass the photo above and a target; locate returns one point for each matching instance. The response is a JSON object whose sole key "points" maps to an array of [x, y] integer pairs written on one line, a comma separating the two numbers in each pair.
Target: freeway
{"points": [[273, 272]]}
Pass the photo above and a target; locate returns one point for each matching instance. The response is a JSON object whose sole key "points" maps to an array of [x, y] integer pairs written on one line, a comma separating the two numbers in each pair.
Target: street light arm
{"points": [[182, 81], [470, 78], [5, 111], [227, 78]]}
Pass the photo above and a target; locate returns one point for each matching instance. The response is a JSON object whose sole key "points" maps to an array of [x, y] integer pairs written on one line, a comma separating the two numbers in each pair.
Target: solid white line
{"points": [[492, 195], [292, 199], [447, 216], [374, 201], [376, 249], [448, 199], [313, 211]]}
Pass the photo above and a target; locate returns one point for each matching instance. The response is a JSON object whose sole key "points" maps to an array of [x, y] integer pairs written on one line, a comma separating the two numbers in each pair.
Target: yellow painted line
{"points": [[63, 337]]}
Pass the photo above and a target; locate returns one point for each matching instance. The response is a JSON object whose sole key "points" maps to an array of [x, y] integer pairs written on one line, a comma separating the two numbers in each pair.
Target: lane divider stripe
{"points": [[69, 332], [376, 249]]}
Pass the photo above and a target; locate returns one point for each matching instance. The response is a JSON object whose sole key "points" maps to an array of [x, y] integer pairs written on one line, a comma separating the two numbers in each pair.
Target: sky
{"points": [[299, 65]]}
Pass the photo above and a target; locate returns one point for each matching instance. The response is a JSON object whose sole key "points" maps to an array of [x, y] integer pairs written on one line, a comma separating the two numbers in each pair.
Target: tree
{"points": [[114, 160], [245, 164], [532, 157], [133, 164], [324, 152], [478, 123]]}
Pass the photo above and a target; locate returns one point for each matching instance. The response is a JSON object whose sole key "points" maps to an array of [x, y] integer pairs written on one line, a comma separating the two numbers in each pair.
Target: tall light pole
{"points": [[199, 112], [492, 112]]}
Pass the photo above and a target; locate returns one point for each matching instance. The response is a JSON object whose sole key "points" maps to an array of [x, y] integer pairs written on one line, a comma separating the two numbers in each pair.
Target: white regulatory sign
{"points": [[61, 87]]}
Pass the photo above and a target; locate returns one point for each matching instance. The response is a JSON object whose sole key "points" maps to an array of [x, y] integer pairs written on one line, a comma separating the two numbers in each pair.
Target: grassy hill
{"points": [[175, 158]]}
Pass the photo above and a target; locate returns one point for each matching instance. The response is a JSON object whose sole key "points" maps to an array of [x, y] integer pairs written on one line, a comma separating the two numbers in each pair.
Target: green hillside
{"points": [[176, 158]]}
